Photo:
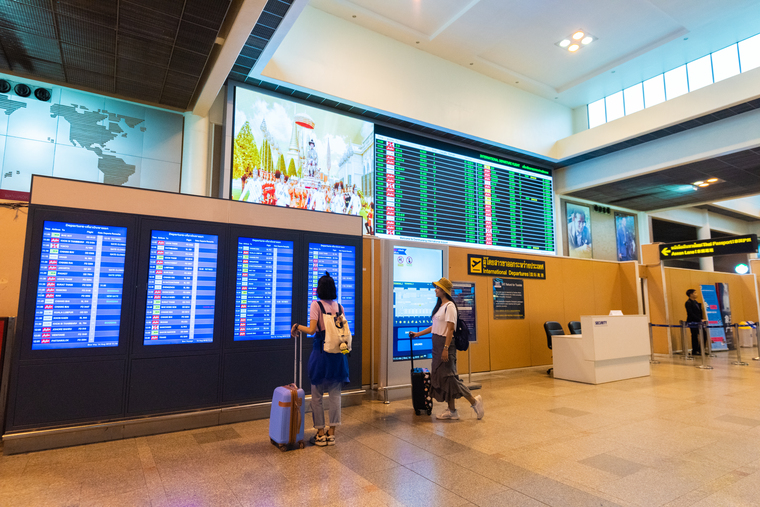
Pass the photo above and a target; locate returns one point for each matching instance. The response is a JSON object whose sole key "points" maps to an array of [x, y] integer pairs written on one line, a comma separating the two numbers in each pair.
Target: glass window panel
{"points": [[700, 73], [676, 83], [634, 98], [654, 91], [596, 114], [614, 105], [725, 63], [749, 53]]}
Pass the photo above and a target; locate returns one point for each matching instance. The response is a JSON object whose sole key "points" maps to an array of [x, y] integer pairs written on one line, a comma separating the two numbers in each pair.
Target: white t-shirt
{"points": [[446, 313], [315, 312]]}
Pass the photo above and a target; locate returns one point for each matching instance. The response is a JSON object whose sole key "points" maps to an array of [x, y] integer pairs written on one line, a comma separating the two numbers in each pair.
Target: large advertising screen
{"points": [[439, 196], [264, 289], [340, 262], [414, 271], [291, 155], [79, 289], [181, 288]]}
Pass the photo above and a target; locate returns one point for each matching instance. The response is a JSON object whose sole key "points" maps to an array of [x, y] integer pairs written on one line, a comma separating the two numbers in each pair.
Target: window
{"points": [[596, 114], [676, 83], [749, 53], [725, 63], [614, 105], [700, 73], [634, 98], [654, 91]]}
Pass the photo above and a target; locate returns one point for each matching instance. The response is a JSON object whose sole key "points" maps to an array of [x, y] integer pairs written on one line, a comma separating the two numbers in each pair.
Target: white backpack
{"points": [[337, 333]]}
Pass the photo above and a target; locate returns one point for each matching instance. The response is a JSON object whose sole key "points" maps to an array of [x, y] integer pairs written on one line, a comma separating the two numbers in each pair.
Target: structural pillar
{"points": [[705, 263], [195, 169]]}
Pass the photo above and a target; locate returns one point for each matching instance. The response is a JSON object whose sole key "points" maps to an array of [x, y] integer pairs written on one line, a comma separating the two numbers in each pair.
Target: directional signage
{"points": [[710, 247], [505, 267]]}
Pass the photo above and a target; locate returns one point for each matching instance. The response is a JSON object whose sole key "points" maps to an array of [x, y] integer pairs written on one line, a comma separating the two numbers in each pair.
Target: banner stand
{"points": [[705, 336]]}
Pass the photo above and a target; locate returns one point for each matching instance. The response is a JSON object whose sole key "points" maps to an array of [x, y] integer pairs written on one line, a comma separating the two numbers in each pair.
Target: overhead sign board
{"points": [[505, 267], [709, 247]]}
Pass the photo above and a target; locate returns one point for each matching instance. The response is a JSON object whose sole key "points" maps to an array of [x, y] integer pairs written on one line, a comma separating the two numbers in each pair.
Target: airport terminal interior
{"points": [[581, 178]]}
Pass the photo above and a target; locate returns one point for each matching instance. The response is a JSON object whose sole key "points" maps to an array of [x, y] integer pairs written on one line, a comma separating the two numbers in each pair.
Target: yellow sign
{"points": [[476, 264], [505, 267], [710, 247]]}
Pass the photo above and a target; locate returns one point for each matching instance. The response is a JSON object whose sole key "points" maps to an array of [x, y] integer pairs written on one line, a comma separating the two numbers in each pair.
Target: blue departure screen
{"points": [[181, 288], [79, 290], [264, 291], [340, 262]]}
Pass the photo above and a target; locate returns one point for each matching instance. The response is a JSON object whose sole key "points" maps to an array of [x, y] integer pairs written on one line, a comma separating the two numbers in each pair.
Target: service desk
{"points": [[612, 347]]}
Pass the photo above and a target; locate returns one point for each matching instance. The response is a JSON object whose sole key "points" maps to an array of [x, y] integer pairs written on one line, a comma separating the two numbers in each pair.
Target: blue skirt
{"points": [[324, 366]]}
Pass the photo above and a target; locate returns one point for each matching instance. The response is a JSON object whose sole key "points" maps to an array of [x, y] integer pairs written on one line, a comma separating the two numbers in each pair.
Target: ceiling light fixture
{"points": [[698, 182], [712, 180], [576, 41], [704, 185]]}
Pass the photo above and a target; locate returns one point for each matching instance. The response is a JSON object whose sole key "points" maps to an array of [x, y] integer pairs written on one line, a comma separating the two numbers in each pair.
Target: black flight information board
{"points": [[79, 290], [340, 262], [264, 290], [440, 196], [181, 288]]}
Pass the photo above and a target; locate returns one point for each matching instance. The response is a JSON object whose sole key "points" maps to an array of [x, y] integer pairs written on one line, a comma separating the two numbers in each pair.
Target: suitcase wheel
{"points": [[283, 447], [429, 411], [301, 445], [416, 412]]}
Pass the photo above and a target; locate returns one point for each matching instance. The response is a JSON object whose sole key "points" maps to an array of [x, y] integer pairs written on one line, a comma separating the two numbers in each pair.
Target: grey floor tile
{"points": [[745, 421], [612, 464], [569, 412]]}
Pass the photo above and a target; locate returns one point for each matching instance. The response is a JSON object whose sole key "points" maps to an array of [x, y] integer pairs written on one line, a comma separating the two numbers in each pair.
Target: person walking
{"points": [[327, 371], [444, 380]]}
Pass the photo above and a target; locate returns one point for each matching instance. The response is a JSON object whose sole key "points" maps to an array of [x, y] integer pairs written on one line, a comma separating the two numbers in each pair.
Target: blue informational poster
{"points": [[414, 271], [340, 262], [181, 288], [79, 290], [714, 317], [264, 289]]}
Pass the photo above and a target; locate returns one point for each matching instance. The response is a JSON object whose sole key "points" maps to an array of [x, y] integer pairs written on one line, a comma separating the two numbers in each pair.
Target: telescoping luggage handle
{"points": [[298, 359], [411, 350]]}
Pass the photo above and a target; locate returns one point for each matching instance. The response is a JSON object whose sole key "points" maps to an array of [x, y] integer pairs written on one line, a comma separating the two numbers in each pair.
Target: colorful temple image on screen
{"points": [[290, 155]]}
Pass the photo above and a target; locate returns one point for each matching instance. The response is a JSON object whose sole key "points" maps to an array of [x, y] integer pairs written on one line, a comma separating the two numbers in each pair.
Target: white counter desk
{"points": [[611, 347]]}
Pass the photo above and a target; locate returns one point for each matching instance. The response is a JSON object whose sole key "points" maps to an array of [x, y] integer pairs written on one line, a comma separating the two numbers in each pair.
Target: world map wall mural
{"points": [[82, 136]]}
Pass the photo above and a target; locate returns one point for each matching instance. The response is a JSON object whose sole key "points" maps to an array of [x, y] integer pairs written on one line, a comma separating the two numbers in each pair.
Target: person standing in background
{"points": [[693, 316]]}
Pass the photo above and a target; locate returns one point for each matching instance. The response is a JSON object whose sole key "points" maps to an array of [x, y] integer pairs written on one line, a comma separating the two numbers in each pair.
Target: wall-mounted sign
{"points": [[508, 299], [505, 267], [709, 247]]}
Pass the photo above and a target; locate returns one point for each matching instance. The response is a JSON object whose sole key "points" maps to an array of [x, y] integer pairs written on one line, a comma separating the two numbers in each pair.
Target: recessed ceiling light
{"points": [[564, 43], [704, 185], [574, 48], [698, 182], [587, 40], [578, 35], [712, 180]]}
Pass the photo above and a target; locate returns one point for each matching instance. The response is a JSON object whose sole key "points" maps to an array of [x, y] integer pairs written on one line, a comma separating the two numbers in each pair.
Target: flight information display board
{"points": [[79, 290], [440, 196], [340, 262], [181, 288], [264, 290]]}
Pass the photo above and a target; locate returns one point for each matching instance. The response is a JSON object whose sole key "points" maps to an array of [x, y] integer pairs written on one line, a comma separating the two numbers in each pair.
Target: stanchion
{"points": [[702, 350], [686, 355], [737, 346], [652, 360], [757, 342]]}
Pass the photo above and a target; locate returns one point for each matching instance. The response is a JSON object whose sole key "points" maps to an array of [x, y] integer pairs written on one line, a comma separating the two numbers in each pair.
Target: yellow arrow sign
{"points": [[666, 251]]}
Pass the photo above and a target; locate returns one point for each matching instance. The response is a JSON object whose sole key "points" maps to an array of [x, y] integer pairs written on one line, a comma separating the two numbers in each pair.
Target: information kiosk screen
{"points": [[181, 288], [264, 291], [79, 290], [414, 271], [340, 262]]}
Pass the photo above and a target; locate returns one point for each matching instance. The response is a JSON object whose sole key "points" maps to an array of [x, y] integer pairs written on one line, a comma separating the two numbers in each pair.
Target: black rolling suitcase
{"points": [[421, 400]]}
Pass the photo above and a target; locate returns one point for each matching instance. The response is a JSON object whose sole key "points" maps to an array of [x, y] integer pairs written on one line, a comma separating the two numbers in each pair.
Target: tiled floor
{"points": [[681, 437]]}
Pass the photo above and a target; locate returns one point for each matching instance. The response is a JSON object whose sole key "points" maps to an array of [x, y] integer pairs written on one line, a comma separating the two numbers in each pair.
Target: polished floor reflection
{"points": [[681, 437]]}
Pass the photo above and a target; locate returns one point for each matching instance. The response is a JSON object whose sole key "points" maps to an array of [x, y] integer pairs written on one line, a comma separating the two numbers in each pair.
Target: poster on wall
{"points": [[295, 156], [579, 231], [714, 317], [463, 294], [625, 237], [508, 299]]}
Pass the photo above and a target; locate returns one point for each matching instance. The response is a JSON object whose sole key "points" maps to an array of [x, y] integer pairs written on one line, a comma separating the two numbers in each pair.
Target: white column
{"points": [[195, 155], [705, 263]]}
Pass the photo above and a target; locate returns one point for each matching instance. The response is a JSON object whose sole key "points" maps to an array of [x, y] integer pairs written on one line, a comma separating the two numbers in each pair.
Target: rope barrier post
{"points": [[703, 366], [652, 360], [686, 355], [738, 346], [708, 340], [757, 341]]}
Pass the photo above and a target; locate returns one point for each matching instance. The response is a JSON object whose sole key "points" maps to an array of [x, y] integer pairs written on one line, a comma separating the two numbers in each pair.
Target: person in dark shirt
{"points": [[693, 316]]}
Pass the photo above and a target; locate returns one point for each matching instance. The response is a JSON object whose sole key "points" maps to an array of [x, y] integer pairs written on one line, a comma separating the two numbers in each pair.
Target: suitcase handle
{"points": [[411, 349]]}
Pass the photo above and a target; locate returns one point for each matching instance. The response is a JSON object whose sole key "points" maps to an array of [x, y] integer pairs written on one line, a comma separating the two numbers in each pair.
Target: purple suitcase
{"points": [[286, 424]]}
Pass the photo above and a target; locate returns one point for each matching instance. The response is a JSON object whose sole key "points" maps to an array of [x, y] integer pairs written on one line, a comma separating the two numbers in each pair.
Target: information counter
{"points": [[611, 347]]}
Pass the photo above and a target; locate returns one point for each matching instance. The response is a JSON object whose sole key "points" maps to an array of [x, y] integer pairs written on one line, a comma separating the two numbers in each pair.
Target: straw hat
{"points": [[445, 285]]}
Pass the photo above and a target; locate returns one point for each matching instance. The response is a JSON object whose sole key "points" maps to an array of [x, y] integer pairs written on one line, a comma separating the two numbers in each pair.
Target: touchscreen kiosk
{"points": [[414, 270], [181, 288], [264, 290], [79, 289], [340, 262]]}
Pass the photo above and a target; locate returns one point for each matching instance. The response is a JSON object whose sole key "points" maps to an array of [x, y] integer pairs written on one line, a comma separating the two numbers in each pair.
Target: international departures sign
{"points": [[505, 267], [709, 247]]}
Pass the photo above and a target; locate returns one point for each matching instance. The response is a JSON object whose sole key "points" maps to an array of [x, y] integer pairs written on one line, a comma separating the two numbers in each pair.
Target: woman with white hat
{"points": [[444, 380]]}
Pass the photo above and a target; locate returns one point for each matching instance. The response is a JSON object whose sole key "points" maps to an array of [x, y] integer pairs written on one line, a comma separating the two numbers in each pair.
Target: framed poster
{"points": [[625, 237], [579, 231], [508, 299], [463, 294]]}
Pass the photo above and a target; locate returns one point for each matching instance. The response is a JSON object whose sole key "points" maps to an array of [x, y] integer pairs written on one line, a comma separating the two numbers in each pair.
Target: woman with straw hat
{"points": [[444, 381]]}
